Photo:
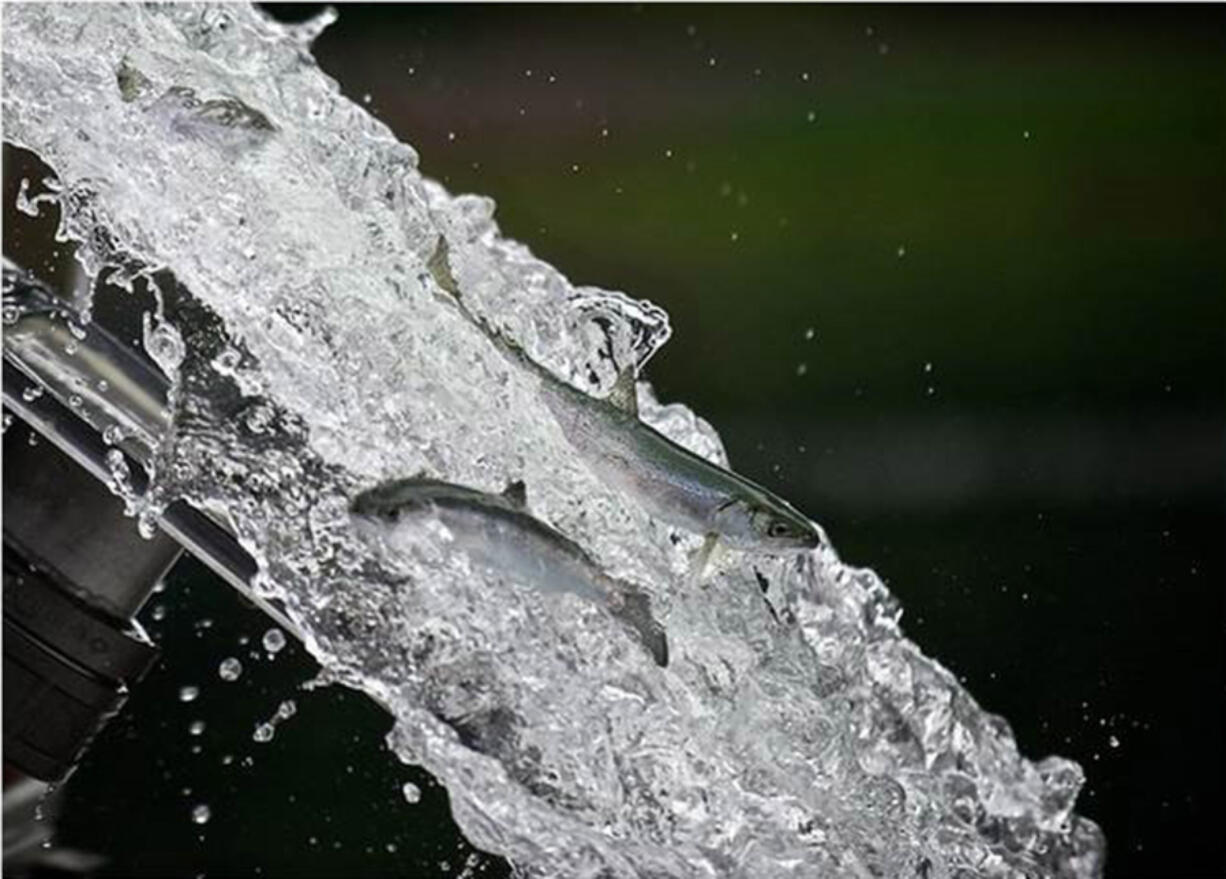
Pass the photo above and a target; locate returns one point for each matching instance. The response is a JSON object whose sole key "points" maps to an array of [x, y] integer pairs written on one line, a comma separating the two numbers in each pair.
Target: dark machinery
{"points": [[76, 570]]}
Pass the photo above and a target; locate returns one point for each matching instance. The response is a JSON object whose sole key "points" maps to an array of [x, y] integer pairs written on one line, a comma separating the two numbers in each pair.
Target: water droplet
{"points": [[74, 401], [451, 135], [928, 366], [735, 236], [811, 116], [230, 669], [112, 436], [32, 393], [263, 733], [412, 793], [287, 709], [274, 640], [201, 814], [188, 693], [366, 98], [809, 334], [902, 251], [802, 368], [1114, 741], [668, 153], [158, 613], [196, 728], [147, 524], [1026, 135], [11, 313], [164, 344], [805, 76]]}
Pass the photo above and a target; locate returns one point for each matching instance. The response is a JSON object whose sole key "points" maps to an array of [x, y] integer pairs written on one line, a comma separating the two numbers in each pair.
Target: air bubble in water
{"points": [[287, 709], [147, 524], [230, 669], [201, 814], [196, 728], [188, 693], [32, 393], [274, 640], [164, 344], [263, 733], [412, 793]]}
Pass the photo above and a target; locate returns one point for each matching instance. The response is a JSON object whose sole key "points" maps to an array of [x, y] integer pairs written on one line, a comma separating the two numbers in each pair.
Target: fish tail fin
{"points": [[634, 610]]}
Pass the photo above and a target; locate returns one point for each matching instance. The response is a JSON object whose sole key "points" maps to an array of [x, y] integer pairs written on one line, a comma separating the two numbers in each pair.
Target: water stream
{"points": [[200, 150]]}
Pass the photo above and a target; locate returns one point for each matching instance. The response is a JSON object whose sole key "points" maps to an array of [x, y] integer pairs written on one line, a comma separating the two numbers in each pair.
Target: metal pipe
{"points": [[90, 382]]}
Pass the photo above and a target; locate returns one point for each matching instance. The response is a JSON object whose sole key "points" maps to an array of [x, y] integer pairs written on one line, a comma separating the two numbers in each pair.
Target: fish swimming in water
{"points": [[669, 481], [497, 532]]}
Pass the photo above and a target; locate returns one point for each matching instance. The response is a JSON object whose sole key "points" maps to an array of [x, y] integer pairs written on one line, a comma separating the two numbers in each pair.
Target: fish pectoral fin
{"points": [[625, 395], [703, 559], [516, 494]]}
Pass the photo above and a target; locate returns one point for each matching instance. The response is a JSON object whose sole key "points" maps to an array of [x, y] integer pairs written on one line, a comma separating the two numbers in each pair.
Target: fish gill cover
{"points": [[314, 355]]}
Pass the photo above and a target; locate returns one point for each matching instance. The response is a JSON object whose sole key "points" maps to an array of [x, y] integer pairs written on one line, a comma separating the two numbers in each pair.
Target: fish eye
{"points": [[778, 529]]}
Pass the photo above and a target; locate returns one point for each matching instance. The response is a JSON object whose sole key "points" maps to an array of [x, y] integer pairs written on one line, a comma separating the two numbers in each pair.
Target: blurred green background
{"points": [[951, 279]]}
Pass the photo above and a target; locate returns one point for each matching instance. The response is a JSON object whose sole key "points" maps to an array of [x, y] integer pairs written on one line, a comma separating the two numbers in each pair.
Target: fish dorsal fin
{"points": [[624, 394], [439, 265], [516, 494]]}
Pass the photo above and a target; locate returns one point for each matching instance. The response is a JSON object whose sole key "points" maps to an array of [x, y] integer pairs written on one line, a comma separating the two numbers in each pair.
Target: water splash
{"points": [[289, 233]]}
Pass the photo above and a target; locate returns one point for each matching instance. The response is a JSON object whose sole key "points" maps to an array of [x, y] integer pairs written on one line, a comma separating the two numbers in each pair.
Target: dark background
{"points": [[1004, 230]]}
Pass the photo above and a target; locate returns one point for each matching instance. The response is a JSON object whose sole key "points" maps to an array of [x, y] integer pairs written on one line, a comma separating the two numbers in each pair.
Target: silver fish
{"points": [[669, 481], [498, 533]]}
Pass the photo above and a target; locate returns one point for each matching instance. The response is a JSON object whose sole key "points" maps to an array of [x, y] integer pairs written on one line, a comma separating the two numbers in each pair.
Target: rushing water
{"points": [[796, 732]]}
